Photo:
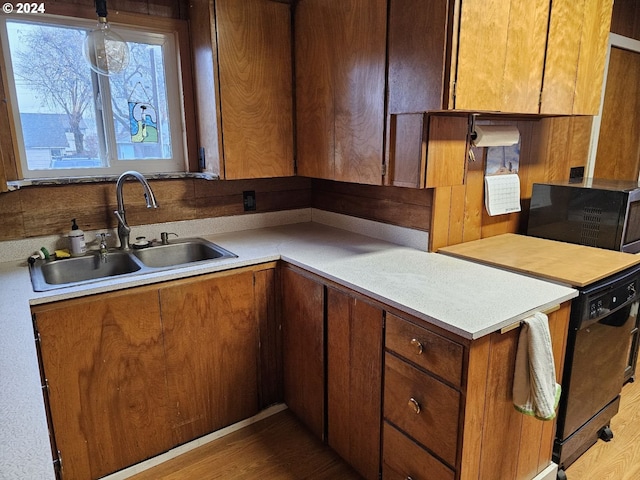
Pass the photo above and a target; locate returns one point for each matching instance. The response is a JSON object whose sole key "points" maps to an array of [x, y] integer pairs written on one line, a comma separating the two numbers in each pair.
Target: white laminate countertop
{"points": [[465, 298]]}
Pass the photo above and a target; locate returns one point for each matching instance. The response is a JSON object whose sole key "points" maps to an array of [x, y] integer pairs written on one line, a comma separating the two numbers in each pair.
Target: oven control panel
{"points": [[611, 300]]}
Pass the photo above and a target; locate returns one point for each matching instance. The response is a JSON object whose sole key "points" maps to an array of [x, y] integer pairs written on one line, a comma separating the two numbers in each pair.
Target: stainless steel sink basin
{"points": [[73, 271], [186, 251], [81, 270]]}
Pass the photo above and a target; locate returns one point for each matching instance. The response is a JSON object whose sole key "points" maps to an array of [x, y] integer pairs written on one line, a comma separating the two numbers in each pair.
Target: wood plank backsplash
{"points": [[48, 210]]}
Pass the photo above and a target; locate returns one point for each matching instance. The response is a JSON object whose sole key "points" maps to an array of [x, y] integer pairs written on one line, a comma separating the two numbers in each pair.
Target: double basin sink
{"points": [[91, 267]]}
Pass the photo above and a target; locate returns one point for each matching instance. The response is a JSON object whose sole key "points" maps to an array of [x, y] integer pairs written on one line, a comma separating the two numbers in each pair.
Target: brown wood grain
{"points": [[438, 355], [618, 154], [211, 345], [340, 81], [256, 93], [276, 448], [270, 328], [418, 65], [303, 348], [354, 381], [626, 18], [404, 459], [407, 147], [446, 151], [544, 258], [406, 207], [436, 425], [104, 359]]}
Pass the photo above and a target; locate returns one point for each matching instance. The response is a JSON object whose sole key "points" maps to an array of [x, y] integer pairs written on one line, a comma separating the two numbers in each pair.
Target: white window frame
{"points": [[175, 98]]}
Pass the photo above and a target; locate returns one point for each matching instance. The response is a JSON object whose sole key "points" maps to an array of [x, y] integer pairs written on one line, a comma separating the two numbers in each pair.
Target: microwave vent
{"points": [[591, 217]]}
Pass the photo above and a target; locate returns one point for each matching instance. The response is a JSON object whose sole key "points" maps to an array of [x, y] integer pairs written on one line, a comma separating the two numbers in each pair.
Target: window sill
{"points": [[17, 184]]}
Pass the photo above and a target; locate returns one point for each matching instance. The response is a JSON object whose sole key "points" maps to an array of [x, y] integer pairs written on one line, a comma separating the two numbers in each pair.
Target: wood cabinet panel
{"points": [[418, 62], [256, 92], [492, 71], [577, 39], [407, 150], [429, 350], [423, 407], [404, 459], [446, 151], [104, 359], [340, 78], [303, 348], [211, 346], [354, 380]]}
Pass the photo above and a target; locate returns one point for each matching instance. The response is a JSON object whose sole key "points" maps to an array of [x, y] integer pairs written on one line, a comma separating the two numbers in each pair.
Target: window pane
{"points": [[55, 96], [139, 103]]}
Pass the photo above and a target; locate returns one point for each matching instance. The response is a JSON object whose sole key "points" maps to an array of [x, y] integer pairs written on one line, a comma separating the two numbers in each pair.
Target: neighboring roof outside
{"points": [[44, 130]]}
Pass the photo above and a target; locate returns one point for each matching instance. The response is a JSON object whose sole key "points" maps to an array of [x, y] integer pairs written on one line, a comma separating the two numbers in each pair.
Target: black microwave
{"points": [[594, 212]]}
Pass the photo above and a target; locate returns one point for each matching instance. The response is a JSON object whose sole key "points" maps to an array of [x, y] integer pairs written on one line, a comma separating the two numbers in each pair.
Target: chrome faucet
{"points": [[123, 228], [104, 251]]}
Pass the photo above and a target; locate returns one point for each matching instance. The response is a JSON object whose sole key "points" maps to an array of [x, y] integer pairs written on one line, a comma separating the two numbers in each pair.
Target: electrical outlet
{"points": [[576, 174], [249, 200]]}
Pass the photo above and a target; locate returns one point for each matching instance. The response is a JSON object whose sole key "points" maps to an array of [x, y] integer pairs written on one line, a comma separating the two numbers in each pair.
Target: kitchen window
{"points": [[69, 121]]}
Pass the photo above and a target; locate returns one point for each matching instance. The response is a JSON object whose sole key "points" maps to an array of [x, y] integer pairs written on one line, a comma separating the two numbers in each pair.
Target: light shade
{"points": [[106, 52]]}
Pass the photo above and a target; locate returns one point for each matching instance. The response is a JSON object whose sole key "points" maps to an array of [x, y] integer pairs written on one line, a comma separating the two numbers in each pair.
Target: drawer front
{"points": [[423, 407], [403, 458], [429, 350]]}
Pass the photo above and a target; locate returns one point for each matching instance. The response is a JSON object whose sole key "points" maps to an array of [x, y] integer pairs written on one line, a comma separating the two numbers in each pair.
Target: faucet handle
{"points": [[164, 237]]}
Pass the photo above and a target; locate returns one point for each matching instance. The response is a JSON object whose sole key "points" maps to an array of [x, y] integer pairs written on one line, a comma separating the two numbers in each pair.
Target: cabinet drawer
{"points": [[424, 348], [423, 407], [403, 458]]}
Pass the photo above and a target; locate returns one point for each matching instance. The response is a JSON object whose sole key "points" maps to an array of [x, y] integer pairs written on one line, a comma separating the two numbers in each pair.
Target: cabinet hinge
{"points": [[384, 169], [202, 159], [57, 464], [540, 100], [45, 385]]}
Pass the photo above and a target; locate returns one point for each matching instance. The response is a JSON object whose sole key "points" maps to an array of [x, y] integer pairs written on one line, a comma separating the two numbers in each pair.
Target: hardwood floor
{"points": [[618, 459], [277, 448]]}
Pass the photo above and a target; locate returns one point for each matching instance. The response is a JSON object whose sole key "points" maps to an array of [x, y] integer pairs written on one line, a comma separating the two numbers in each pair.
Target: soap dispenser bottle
{"points": [[77, 246]]}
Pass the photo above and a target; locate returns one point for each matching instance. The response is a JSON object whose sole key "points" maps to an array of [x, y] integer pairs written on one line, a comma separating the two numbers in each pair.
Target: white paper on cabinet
{"points": [[502, 194]]}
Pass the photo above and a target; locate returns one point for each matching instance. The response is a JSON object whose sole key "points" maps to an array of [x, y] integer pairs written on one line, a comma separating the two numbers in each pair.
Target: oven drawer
{"points": [[422, 406], [403, 458], [426, 349]]}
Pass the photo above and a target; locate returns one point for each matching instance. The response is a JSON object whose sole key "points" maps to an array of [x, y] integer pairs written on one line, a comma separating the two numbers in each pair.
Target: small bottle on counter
{"points": [[77, 245]]}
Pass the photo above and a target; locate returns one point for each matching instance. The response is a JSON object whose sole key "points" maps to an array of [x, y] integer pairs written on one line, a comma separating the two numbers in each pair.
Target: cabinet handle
{"points": [[416, 343], [415, 406], [409, 478]]}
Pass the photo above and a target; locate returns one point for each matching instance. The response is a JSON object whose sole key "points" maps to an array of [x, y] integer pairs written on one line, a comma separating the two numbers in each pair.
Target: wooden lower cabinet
{"points": [[134, 373], [354, 380], [303, 347]]}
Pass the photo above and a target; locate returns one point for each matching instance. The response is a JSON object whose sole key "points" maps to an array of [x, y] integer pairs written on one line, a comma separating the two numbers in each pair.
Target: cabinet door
{"points": [[211, 347], [303, 348], [576, 53], [256, 87], [354, 381], [103, 359], [500, 55], [340, 56]]}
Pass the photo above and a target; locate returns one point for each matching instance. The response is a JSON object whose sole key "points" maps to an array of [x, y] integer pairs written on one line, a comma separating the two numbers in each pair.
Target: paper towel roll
{"points": [[496, 135]]}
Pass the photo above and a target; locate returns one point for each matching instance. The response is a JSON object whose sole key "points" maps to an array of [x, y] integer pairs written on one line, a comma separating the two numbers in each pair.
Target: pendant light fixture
{"points": [[106, 52]]}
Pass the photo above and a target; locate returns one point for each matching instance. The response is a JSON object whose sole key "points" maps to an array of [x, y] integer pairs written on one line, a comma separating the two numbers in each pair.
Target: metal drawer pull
{"points": [[408, 478], [413, 403], [416, 343]]}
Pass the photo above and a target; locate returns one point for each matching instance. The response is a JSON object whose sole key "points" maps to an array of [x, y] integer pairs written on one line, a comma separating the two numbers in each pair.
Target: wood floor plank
{"points": [[277, 448], [618, 459]]}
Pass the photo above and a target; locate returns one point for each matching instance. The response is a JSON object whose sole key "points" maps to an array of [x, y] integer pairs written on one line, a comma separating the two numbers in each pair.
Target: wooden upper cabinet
{"points": [[340, 55], [504, 56], [244, 87], [500, 55], [576, 54]]}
